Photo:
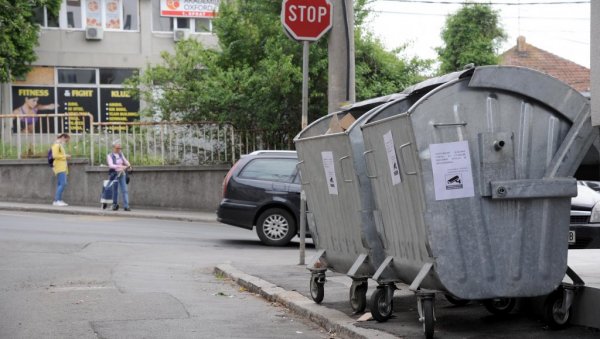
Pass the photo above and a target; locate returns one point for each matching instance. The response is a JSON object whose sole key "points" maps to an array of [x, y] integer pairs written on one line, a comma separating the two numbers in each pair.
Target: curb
{"points": [[77, 211], [331, 320]]}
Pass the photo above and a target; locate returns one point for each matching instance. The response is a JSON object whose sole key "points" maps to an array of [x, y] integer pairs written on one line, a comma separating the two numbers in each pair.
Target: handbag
{"points": [[128, 176]]}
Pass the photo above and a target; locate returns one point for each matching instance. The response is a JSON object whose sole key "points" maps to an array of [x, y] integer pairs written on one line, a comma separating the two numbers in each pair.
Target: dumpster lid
{"points": [[427, 85], [374, 101]]}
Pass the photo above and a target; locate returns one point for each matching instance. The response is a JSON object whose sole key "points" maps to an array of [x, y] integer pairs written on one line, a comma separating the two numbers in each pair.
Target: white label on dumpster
{"points": [[452, 173], [388, 141], [329, 166]]}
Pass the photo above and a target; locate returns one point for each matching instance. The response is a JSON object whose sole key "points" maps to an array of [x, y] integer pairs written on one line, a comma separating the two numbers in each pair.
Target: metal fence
{"points": [[144, 143]]}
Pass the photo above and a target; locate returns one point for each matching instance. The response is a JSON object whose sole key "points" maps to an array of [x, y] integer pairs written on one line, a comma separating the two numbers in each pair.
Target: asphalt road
{"points": [[68, 276]]}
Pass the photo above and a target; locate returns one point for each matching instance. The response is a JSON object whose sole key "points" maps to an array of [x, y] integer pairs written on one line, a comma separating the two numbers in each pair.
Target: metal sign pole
{"points": [[305, 84], [304, 123], [302, 227]]}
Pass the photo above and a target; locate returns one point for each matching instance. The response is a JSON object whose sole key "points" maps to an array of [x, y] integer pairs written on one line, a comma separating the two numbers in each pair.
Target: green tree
{"points": [[254, 80], [471, 35], [19, 35]]}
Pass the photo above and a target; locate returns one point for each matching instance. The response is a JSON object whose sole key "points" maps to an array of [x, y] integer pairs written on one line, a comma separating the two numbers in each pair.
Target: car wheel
{"points": [[276, 227]]}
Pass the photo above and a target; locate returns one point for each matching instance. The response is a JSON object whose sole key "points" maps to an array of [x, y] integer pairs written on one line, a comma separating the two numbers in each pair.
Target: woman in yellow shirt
{"points": [[60, 167]]}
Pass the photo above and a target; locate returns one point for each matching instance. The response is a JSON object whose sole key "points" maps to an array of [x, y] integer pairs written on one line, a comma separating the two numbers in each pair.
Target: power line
{"points": [[440, 2], [504, 17]]}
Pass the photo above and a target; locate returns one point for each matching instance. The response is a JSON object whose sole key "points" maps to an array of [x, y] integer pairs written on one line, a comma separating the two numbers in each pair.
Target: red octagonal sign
{"points": [[307, 19]]}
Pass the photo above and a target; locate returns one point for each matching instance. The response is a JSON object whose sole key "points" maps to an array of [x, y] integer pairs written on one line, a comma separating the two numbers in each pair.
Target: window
{"points": [[115, 76], [279, 170], [76, 76], [44, 18], [203, 25], [116, 15], [74, 19]]}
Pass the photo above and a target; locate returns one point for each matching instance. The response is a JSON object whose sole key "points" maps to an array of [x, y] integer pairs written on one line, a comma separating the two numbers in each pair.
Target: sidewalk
{"points": [[134, 213]]}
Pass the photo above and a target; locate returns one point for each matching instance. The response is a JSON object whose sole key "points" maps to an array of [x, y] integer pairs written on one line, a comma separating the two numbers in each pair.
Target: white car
{"points": [[584, 231]]}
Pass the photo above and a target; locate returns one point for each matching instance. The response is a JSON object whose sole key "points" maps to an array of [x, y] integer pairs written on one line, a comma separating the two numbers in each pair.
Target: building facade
{"points": [[92, 46]]}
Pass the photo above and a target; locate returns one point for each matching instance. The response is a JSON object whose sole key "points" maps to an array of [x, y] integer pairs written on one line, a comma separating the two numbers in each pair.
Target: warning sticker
{"points": [[329, 166], [388, 141], [452, 172]]}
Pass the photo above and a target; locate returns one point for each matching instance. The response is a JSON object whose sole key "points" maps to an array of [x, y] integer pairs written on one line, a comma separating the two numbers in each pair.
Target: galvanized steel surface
{"points": [[481, 247], [344, 221]]}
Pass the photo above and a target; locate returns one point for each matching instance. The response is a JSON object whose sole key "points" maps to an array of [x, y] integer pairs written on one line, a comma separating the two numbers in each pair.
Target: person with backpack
{"points": [[118, 166], [58, 157]]}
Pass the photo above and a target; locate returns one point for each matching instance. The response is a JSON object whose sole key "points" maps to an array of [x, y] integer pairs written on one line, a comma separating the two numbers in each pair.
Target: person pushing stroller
{"points": [[118, 166]]}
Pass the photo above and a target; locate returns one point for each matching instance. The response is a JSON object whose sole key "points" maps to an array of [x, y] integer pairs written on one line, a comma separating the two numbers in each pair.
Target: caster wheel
{"points": [[554, 317], [358, 296], [317, 290], [455, 300], [500, 306], [428, 318], [104, 206], [380, 308]]}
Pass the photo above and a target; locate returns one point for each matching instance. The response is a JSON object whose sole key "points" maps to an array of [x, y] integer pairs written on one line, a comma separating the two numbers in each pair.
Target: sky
{"points": [[562, 28]]}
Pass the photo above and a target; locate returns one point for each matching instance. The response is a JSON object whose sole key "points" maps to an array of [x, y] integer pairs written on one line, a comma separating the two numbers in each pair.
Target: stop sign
{"points": [[307, 19]]}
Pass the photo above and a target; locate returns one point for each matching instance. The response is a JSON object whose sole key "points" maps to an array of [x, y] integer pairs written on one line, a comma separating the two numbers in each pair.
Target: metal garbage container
{"points": [[480, 208], [339, 200]]}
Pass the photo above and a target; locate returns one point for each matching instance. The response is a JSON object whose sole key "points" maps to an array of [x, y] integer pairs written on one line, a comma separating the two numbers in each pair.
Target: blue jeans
{"points": [[121, 183], [60, 185]]}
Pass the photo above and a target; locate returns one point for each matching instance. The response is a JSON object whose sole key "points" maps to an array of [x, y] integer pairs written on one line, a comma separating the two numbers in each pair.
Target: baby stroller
{"points": [[107, 190]]}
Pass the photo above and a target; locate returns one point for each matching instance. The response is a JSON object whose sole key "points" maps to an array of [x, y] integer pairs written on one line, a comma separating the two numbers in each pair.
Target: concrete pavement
{"points": [[288, 285], [134, 213]]}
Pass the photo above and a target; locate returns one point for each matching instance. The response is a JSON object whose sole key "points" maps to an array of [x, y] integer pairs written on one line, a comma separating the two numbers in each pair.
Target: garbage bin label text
{"points": [[329, 166], [388, 141], [452, 172]]}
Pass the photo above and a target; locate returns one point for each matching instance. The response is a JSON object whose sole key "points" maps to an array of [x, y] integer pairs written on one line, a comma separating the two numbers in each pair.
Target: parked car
{"points": [[584, 231], [262, 190]]}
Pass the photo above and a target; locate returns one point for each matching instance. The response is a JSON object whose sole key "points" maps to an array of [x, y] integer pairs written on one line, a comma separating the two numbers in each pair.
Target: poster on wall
{"points": [[29, 102], [189, 8], [73, 100], [113, 14], [93, 13], [118, 106]]}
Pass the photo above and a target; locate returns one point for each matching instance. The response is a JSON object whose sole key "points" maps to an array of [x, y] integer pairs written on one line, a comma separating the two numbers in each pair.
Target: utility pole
{"points": [[595, 61], [341, 56]]}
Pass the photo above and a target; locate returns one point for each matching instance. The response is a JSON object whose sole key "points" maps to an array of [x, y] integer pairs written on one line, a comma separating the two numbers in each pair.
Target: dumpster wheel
{"points": [[358, 295], [456, 301], [500, 306], [381, 309], [317, 289], [427, 316], [555, 317]]}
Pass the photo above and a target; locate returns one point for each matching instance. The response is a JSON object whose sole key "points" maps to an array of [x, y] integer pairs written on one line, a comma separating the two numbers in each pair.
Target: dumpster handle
{"points": [[342, 168], [403, 160], [367, 164], [450, 124], [301, 182]]}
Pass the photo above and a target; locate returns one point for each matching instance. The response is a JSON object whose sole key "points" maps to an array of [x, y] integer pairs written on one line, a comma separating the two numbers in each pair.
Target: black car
{"points": [[263, 189]]}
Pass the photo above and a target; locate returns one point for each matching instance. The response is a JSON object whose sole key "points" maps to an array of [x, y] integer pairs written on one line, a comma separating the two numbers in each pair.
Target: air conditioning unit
{"points": [[181, 34], [94, 33]]}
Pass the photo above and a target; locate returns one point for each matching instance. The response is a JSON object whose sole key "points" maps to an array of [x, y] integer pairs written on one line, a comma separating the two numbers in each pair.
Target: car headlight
{"points": [[595, 217]]}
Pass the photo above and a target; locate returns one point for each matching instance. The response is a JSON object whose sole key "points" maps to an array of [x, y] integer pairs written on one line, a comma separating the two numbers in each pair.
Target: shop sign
{"points": [[28, 102], [77, 100], [118, 106], [189, 8]]}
